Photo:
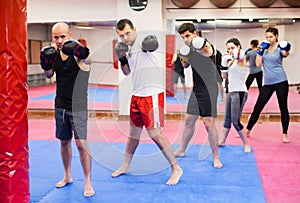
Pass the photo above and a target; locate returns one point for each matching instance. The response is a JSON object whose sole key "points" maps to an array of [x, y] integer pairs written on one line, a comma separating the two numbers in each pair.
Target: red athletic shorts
{"points": [[147, 111]]}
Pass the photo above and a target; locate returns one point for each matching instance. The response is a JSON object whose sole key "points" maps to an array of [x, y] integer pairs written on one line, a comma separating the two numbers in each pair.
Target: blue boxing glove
{"points": [[262, 47], [284, 45], [48, 55], [150, 43], [73, 47]]}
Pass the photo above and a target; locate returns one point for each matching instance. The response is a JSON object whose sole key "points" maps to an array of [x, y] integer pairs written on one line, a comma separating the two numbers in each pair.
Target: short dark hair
{"points": [[235, 41], [123, 22], [186, 27], [254, 42]]}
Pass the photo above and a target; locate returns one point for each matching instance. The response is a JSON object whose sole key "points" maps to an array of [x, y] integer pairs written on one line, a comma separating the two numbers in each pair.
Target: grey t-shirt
{"points": [[251, 57]]}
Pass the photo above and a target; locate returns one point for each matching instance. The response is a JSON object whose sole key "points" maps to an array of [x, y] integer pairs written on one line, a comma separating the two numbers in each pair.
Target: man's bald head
{"points": [[60, 33]]}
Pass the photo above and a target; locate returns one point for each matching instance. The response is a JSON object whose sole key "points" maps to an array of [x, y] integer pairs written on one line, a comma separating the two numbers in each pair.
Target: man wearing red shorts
{"points": [[137, 55]]}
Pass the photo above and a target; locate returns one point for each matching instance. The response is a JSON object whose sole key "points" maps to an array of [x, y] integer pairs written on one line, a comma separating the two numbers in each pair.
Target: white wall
{"points": [[71, 10], [292, 62]]}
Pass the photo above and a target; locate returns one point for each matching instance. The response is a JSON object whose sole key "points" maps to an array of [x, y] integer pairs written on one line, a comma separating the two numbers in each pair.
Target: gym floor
{"points": [[270, 173]]}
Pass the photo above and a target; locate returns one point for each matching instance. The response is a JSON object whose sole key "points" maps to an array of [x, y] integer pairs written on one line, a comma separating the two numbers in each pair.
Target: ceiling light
{"points": [[224, 21], [83, 27], [263, 20]]}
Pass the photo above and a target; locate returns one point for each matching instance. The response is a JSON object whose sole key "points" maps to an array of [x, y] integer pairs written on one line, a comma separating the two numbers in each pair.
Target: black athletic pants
{"points": [[264, 96]]}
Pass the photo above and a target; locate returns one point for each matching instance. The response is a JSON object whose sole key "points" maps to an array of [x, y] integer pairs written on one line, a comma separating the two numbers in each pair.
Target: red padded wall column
{"points": [[14, 176], [115, 57], [170, 50]]}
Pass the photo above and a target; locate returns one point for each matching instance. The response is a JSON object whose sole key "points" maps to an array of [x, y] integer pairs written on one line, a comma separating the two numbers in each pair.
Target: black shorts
{"points": [[68, 122], [176, 77], [202, 104]]}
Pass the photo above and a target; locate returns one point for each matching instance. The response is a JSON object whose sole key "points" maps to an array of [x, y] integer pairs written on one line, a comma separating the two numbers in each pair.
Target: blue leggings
{"points": [[282, 90], [234, 107]]}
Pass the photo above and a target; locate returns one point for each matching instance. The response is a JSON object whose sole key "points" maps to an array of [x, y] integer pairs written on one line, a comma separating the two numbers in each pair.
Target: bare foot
{"points": [[122, 170], [64, 182], [222, 144], [179, 153], [176, 175], [217, 163], [247, 148], [222, 141], [285, 139], [247, 132], [88, 189]]}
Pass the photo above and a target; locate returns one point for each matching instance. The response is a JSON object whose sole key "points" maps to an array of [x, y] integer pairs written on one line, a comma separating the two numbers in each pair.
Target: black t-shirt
{"points": [[71, 85]]}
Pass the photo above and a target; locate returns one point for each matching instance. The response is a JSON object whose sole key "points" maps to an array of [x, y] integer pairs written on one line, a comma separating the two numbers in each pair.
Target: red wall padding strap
{"points": [[14, 167]]}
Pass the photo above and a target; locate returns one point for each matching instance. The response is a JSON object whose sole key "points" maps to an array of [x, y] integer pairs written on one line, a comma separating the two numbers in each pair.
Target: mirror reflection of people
{"points": [[255, 72], [178, 74]]}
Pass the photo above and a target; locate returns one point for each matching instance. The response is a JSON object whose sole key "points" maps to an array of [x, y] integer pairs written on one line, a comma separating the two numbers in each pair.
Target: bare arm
{"points": [[258, 60], [126, 69], [84, 64], [174, 58], [49, 73], [185, 64]]}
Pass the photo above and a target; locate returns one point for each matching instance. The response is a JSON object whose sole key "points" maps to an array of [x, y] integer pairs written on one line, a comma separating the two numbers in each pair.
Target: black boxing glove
{"points": [[121, 49], [149, 43], [48, 55], [73, 47]]}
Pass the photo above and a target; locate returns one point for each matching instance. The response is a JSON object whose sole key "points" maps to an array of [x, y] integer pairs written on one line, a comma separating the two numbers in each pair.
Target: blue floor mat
{"points": [[237, 181], [94, 95]]}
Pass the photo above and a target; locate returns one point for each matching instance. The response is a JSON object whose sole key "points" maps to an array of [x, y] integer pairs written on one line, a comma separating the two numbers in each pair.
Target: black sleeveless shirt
{"points": [[71, 85]]}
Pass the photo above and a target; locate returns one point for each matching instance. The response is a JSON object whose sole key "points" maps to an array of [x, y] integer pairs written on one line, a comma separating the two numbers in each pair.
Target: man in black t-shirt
{"points": [[69, 60]]}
